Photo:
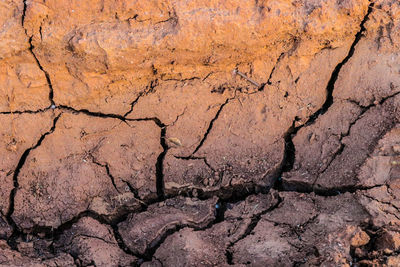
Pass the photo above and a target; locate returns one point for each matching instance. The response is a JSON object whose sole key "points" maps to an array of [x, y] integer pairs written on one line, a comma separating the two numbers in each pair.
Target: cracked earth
{"points": [[200, 133]]}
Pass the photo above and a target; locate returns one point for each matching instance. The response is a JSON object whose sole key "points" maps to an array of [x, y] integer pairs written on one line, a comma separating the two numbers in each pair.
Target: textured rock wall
{"points": [[199, 133]]}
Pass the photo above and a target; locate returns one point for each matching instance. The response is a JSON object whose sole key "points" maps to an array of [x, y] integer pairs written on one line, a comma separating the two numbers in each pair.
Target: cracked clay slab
{"points": [[94, 243], [143, 231], [67, 173]]}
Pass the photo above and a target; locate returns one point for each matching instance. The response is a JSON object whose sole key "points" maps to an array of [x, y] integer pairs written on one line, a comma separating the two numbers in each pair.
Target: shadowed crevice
{"points": [[24, 13], [335, 74], [91, 113], [16, 232], [160, 163], [290, 150]]}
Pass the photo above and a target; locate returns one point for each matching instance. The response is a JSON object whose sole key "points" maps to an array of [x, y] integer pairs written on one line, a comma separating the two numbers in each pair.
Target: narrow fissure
{"points": [[111, 177], [149, 89], [133, 104], [155, 244], [25, 111], [93, 114], [134, 191], [23, 14], [273, 69], [121, 243], [55, 234], [107, 168], [46, 74], [197, 158], [210, 126]]}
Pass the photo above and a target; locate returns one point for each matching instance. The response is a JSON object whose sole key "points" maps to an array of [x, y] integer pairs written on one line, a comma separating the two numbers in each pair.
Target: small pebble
{"points": [[53, 106], [388, 251], [195, 193]]}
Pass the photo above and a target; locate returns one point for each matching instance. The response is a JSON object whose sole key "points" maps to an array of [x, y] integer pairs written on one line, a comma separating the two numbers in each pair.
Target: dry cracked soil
{"points": [[200, 133]]}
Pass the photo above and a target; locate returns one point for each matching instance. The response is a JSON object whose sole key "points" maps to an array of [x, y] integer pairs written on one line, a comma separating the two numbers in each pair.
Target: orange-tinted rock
{"points": [[91, 50], [393, 261], [359, 239], [23, 85]]}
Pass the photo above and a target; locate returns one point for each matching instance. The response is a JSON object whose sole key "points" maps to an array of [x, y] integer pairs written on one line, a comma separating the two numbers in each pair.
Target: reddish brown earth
{"points": [[131, 136]]}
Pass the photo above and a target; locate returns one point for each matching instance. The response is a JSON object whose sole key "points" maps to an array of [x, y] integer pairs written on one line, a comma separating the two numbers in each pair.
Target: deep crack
{"points": [[335, 74], [20, 164], [160, 163], [23, 14], [290, 150]]}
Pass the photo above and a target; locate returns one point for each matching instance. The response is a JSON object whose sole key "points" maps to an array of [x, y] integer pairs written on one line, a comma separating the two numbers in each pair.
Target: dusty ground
{"points": [[127, 138]]}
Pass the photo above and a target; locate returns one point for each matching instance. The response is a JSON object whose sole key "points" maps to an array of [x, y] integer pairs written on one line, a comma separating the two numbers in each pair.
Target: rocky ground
{"points": [[200, 133]]}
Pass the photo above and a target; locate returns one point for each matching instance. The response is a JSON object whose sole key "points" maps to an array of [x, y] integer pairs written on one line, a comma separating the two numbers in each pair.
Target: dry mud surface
{"points": [[200, 133]]}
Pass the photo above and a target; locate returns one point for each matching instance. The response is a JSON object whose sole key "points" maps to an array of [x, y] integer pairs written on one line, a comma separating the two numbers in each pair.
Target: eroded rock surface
{"points": [[199, 133]]}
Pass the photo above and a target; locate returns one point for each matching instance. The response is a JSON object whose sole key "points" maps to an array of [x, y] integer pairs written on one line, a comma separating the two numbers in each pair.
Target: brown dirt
{"points": [[128, 139]]}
